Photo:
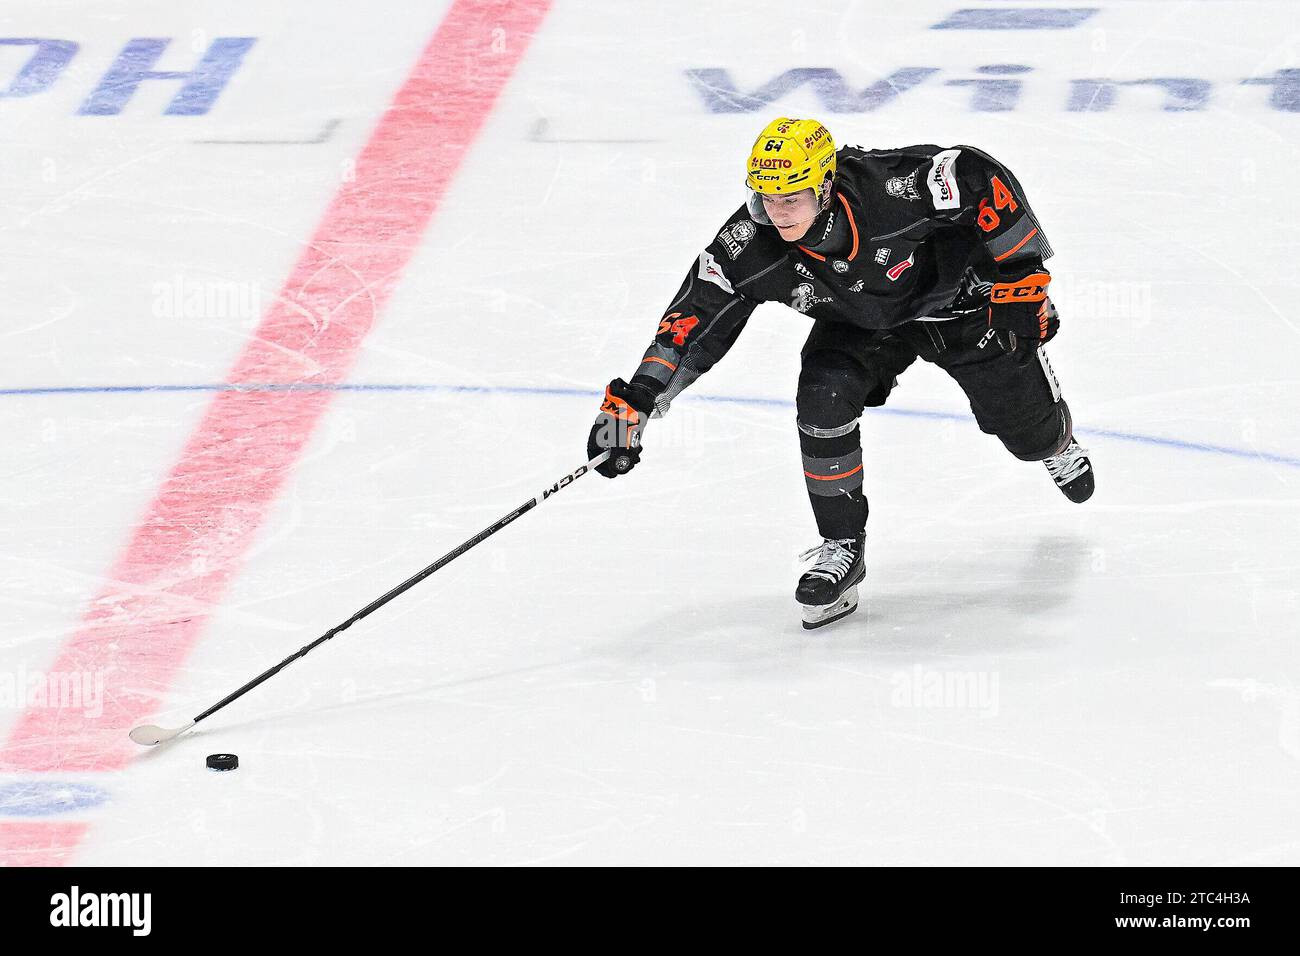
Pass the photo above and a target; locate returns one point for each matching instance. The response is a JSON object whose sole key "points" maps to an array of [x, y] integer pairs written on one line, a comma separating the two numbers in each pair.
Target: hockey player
{"points": [[894, 255]]}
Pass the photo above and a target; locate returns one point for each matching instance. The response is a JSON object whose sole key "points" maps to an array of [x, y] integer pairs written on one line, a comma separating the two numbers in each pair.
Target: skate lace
{"points": [[1068, 465], [834, 557]]}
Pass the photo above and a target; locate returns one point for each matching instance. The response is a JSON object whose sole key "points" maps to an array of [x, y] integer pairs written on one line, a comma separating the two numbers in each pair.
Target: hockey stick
{"points": [[150, 735]]}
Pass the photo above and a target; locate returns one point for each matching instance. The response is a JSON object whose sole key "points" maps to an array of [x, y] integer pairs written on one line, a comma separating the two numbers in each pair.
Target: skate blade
{"points": [[823, 614]]}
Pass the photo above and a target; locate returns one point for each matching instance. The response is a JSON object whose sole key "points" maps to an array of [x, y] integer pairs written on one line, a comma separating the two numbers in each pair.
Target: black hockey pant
{"points": [[1014, 395]]}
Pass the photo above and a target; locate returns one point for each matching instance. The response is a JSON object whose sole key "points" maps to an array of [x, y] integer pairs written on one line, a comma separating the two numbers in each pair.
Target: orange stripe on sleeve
{"points": [[1012, 251]]}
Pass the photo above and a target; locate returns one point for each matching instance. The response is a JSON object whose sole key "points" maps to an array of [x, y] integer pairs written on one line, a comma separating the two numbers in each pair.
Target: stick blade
{"points": [[151, 735]]}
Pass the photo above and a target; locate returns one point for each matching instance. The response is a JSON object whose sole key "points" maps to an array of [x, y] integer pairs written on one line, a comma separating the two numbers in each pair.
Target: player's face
{"points": [[792, 214]]}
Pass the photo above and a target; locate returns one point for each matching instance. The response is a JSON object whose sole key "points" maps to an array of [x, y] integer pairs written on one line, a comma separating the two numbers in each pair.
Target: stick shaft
{"points": [[409, 583]]}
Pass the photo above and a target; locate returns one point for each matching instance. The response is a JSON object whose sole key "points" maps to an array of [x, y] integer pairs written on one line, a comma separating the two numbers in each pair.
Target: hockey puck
{"points": [[222, 762]]}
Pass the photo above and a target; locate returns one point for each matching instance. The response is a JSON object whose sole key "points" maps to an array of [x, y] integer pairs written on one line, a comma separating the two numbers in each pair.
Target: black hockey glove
{"points": [[622, 418], [1022, 310]]}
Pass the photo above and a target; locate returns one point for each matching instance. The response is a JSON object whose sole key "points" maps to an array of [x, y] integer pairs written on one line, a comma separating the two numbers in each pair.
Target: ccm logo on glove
{"points": [[1022, 308]]}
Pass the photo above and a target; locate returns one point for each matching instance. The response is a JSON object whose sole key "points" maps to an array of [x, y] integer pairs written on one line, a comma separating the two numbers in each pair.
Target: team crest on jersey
{"points": [[803, 297], [733, 248], [737, 237], [882, 255], [903, 187], [839, 265]]}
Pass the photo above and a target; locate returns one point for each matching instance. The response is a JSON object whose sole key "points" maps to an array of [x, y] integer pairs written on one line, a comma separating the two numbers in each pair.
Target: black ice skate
{"points": [[828, 590], [1072, 472]]}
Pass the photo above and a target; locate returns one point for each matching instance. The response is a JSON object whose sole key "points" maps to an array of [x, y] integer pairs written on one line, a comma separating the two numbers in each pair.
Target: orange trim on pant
{"points": [[809, 474]]}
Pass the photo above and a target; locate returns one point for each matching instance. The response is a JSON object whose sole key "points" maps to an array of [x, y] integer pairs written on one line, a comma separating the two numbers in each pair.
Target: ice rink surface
{"points": [[275, 341]]}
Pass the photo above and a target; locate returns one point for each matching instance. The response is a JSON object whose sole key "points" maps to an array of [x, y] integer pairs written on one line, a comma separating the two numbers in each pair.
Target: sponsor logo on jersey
{"points": [[839, 265], [803, 270], [943, 180], [830, 224], [710, 271], [896, 270], [882, 255], [857, 286], [803, 297], [903, 187]]}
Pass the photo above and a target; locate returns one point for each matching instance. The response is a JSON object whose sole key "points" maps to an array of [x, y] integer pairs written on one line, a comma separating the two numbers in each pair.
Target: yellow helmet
{"points": [[790, 155]]}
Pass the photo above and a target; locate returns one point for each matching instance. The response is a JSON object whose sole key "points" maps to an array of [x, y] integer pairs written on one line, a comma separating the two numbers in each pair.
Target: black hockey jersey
{"points": [[903, 229]]}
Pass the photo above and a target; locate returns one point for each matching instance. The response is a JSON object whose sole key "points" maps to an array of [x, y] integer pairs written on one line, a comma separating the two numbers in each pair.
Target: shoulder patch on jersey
{"points": [[735, 237], [942, 180], [710, 271], [904, 187], [744, 230]]}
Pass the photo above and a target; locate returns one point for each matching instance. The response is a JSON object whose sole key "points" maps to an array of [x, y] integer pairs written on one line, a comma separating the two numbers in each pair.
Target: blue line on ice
{"points": [[40, 798], [1183, 444]]}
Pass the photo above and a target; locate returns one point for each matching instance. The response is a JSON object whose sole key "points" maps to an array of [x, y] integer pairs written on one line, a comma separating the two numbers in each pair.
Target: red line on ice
{"points": [[39, 843], [144, 622]]}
